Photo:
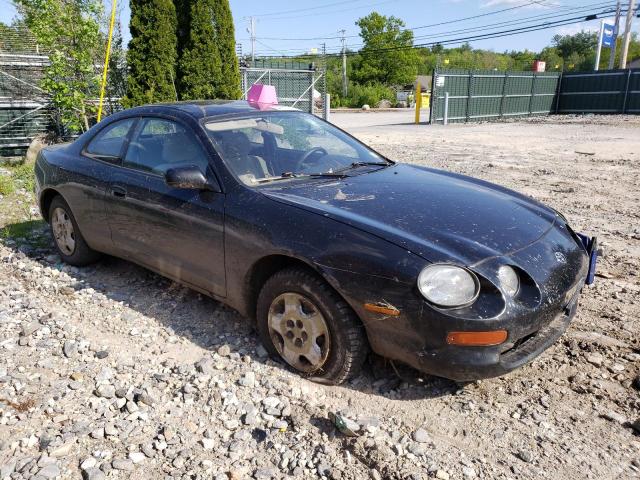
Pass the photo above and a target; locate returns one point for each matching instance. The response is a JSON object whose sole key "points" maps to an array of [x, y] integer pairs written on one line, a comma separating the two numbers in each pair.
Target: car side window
{"points": [[109, 141], [161, 144]]}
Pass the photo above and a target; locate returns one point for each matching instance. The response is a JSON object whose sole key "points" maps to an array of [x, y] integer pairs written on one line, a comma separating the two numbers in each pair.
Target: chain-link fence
{"points": [[300, 88]]}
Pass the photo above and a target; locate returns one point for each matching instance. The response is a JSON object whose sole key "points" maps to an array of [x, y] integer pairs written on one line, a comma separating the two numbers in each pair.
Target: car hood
{"points": [[438, 215]]}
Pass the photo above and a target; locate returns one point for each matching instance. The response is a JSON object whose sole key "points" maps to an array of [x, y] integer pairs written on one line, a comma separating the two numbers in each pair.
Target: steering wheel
{"points": [[308, 154]]}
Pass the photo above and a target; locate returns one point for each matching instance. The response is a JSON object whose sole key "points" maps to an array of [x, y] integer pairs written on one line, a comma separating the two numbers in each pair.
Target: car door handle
{"points": [[118, 192]]}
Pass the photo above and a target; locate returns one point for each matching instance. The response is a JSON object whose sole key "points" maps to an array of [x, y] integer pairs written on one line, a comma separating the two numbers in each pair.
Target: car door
{"points": [[87, 181], [177, 232]]}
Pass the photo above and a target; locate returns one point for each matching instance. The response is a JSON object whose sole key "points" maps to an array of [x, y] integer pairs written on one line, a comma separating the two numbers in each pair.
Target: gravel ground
{"points": [[114, 372]]}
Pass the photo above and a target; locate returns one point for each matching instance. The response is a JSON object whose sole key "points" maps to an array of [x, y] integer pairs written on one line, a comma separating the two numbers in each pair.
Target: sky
{"points": [[284, 27]]}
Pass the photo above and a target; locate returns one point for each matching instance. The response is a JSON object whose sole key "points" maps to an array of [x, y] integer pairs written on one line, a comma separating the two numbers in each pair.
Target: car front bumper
{"points": [[462, 363]]}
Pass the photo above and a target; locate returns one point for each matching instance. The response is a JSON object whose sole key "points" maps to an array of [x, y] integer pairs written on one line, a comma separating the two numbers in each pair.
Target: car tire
{"points": [[325, 340], [68, 239]]}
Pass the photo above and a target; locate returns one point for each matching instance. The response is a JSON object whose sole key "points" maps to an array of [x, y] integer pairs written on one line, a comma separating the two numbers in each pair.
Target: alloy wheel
{"points": [[299, 332], [63, 231]]}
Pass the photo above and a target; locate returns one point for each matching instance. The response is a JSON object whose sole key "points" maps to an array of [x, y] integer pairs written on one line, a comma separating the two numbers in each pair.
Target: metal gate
{"points": [[302, 89], [478, 95]]}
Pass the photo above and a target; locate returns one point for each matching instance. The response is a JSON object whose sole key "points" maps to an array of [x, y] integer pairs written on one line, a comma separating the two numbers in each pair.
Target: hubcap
{"points": [[63, 231], [299, 332]]}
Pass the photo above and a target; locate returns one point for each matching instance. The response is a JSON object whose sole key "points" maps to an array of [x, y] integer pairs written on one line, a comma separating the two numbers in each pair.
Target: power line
{"points": [[443, 36], [504, 24], [448, 22], [332, 12], [499, 34], [306, 9]]}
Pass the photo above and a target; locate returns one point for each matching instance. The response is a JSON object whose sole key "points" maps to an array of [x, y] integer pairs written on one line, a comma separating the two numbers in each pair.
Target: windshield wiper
{"points": [[328, 174], [362, 164], [283, 176], [340, 173]]}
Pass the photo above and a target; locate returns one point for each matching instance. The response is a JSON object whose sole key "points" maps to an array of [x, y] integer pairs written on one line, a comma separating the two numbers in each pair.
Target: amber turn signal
{"points": [[477, 339], [382, 308]]}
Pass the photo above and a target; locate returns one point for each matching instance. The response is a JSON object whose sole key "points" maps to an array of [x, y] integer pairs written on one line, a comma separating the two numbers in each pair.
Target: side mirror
{"points": [[187, 177]]}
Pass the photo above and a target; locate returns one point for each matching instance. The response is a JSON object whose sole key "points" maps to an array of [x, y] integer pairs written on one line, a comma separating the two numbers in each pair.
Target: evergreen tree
{"points": [[199, 66], [207, 67], [229, 86], [152, 52]]}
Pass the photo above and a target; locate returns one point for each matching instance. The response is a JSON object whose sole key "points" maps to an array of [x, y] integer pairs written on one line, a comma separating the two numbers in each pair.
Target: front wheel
{"points": [[304, 321]]}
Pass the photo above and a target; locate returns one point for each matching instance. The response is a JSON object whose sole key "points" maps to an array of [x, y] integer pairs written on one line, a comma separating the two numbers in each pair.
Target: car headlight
{"points": [[509, 280], [448, 285]]}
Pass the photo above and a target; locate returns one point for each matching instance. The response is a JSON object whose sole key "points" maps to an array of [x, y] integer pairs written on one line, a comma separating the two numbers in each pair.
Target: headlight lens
{"points": [[447, 285], [509, 280]]}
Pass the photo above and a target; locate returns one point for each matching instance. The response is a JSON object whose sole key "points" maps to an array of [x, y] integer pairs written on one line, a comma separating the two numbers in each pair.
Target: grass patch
{"points": [[7, 187], [21, 229], [29, 231], [22, 176]]}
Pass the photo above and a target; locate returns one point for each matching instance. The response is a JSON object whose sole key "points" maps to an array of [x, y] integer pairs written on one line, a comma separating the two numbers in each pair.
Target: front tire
{"points": [[307, 324], [69, 242]]}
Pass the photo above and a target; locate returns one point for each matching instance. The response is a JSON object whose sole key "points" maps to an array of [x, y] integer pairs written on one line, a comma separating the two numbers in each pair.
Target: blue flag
{"points": [[608, 35]]}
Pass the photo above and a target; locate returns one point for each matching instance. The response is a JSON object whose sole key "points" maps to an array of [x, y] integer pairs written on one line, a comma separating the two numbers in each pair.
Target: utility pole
{"points": [[616, 31], [627, 34], [252, 34], [344, 62], [599, 48]]}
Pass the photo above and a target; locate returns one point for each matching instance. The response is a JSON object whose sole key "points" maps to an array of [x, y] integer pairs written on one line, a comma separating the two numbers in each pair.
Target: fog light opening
{"points": [[477, 339]]}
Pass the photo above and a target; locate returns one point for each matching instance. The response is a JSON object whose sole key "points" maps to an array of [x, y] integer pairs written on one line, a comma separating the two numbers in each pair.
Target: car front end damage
{"points": [[500, 330]]}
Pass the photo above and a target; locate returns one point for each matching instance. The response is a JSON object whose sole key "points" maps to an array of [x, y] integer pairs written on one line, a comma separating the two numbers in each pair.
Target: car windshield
{"points": [[269, 146]]}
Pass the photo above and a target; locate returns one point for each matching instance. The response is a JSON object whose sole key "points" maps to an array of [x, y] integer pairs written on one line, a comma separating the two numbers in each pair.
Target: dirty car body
{"points": [[381, 234]]}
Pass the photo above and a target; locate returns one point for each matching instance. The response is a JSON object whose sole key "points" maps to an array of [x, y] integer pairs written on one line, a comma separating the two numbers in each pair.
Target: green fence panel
{"points": [[480, 95], [476, 95], [593, 92], [633, 93]]}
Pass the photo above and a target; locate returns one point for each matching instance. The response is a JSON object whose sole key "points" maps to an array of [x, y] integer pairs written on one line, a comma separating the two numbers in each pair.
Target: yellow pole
{"points": [[106, 59], [418, 101]]}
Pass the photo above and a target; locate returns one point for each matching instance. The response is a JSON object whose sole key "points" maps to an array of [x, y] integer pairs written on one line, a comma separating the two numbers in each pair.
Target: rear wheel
{"points": [[304, 321], [69, 242]]}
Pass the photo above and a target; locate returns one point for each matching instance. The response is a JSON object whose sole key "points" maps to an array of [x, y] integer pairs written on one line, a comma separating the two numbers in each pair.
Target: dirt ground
{"points": [[568, 415]]}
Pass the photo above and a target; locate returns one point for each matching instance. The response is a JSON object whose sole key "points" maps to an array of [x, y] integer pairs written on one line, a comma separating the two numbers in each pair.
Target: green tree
{"points": [[208, 66], [229, 87], [582, 43], [554, 61], [199, 66], [70, 32], [151, 57], [386, 56]]}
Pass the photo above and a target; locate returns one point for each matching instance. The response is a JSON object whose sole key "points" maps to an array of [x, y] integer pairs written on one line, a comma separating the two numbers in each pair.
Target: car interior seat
{"points": [[236, 149]]}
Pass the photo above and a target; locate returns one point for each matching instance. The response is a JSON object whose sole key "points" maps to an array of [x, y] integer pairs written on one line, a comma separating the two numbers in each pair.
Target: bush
{"points": [[359, 95]]}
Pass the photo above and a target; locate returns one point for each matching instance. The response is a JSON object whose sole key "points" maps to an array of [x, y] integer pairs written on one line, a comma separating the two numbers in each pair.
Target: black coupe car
{"points": [[332, 248]]}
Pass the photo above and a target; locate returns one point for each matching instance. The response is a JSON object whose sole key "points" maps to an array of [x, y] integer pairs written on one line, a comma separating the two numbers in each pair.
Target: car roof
{"points": [[210, 108]]}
